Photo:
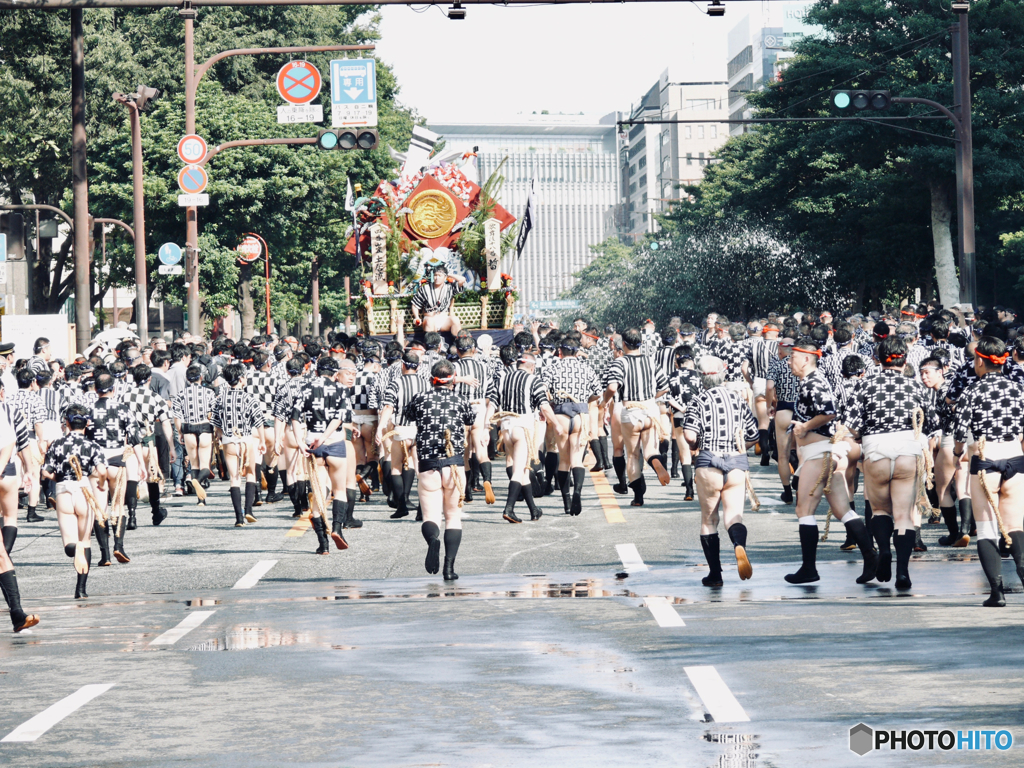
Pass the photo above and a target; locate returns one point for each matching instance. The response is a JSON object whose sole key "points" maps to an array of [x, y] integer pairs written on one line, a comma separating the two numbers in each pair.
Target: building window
{"points": [[689, 158], [643, 180], [741, 86], [632, 170], [740, 60], [700, 160], [714, 131], [643, 162], [700, 104], [632, 207], [644, 201], [632, 188], [688, 132], [700, 131], [640, 146]]}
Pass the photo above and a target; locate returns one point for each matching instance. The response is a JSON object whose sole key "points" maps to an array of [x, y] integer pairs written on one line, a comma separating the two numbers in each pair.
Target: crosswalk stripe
{"points": [[718, 699], [254, 574], [663, 612], [190, 622], [630, 558], [35, 727]]}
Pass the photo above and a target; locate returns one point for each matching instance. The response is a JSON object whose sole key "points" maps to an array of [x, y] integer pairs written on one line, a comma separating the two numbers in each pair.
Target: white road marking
{"points": [[255, 573], [190, 622], [630, 558], [32, 729], [717, 698], [663, 612]]}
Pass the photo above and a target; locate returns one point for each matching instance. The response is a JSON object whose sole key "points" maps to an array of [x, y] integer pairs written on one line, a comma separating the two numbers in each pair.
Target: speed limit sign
{"points": [[191, 149]]}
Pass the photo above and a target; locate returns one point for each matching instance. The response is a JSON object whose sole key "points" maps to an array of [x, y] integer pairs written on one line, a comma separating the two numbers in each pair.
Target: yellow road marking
{"points": [[609, 503], [301, 526]]}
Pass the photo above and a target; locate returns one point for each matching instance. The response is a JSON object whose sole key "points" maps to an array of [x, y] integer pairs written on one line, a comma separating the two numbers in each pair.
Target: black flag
{"points": [[527, 222]]}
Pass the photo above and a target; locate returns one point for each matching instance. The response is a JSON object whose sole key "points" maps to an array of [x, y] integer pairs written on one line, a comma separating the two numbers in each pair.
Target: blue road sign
{"points": [[170, 253], [353, 92], [3, 247]]}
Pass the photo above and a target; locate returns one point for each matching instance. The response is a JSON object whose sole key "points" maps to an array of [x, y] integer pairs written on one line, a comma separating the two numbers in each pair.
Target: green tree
{"points": [[293, 197]]}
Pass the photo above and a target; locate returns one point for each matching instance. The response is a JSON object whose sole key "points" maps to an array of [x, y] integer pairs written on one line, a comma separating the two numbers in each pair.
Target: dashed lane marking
{"points": [[255, 573], [301, 526], [32, 729], [718, 699], [630, 558], [190, 622], [605, 494], [663, 612]]}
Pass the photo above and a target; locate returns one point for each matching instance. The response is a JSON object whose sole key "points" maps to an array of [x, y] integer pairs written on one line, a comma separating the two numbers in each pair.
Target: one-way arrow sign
{"points": [[353, 93]]}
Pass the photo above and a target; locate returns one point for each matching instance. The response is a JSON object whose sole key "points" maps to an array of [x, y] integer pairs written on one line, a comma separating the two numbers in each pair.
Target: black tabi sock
{"points": [[949, 518], [485, 471], [474, 467], [550, 466], [578, 475], [430, 532], [509, 470], [991, 562], [350, 502], [386, 481], [881, 530], [794, 482], [372, 475], [1017, 550], [154, 495], [259, 477], [595, 448], [661, 459], [102, 539], [398, 491], [250, 496], [9, 586], [271, 475], [10, 535], [762, 440], [933, 497], [236, 500], [675, 456], [131, 495], [528, 498], [563, 484], [868, 514], [712, 546], [809, 547], [452, 540], [738, 534], [639, 487], [663, 448], [514, 489], [69, 550], [606, 451], [337, 514], [619, 464], [904, 549], [688, 475], [966, 516], [408, 475]]}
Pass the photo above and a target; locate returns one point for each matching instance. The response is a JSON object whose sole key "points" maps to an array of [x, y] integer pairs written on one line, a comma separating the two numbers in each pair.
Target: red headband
{"points": [[438, 382], [997, 359], [815, 352], [890, 359]]}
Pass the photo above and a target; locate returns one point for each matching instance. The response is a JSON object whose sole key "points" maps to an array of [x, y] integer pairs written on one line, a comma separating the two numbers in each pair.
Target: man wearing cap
{"points": [[6, 363], [434, 300]]}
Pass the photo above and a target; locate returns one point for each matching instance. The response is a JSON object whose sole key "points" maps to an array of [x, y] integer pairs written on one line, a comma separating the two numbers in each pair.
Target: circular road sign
{"points": [[298, 82], [170, 253], [191, 149], [192, 179], [249, 249]]}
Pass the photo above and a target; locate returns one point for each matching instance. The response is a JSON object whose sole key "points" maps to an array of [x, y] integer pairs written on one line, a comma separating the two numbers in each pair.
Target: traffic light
{"points": [[347, 138], [13, 225], [858, 100]]}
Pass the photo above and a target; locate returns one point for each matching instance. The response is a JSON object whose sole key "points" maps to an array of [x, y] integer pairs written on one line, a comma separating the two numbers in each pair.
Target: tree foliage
{"points": [[857, 193], [293, 197]]}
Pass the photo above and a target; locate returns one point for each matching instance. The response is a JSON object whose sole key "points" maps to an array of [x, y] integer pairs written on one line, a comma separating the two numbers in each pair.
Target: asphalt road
{"points": [[560, 645]]}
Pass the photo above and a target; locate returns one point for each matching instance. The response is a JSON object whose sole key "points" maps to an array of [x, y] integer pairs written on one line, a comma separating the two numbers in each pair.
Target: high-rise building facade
{"points": [[573, 161], [657, 159]]}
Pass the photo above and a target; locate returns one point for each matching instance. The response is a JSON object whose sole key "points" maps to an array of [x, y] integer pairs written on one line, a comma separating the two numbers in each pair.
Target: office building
{"points": [[573, 160]]}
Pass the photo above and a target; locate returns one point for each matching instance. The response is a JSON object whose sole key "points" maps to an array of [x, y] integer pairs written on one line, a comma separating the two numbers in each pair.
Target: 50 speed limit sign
{"points": [[191, 149]]}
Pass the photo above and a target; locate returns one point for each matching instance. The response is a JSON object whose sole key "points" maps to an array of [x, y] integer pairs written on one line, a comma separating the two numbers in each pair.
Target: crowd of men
{"points": [[925, 404]]}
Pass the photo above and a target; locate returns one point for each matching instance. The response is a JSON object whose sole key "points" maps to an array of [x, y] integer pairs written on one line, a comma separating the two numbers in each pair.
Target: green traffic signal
{"points": [[858, 100], [347, 138]]}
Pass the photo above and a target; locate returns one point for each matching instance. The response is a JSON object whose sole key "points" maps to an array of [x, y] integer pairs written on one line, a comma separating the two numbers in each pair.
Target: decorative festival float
{"points": [[433, 214]]}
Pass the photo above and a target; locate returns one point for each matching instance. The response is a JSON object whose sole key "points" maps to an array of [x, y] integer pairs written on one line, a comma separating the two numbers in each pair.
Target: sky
{"points": [[507, 60]]}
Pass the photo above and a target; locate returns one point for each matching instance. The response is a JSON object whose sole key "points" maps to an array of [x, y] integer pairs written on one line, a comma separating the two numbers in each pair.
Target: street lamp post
{"points": [[136, 103]]}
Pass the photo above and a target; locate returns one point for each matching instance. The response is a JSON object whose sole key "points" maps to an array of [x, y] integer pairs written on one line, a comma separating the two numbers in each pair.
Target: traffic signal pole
{"points": [[138, 202], [193, 76], [965, 162]]}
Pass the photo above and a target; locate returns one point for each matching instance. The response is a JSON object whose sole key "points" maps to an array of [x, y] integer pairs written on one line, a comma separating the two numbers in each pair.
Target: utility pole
{"points": [[135, 104], [964, 156], [79, 183]]}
